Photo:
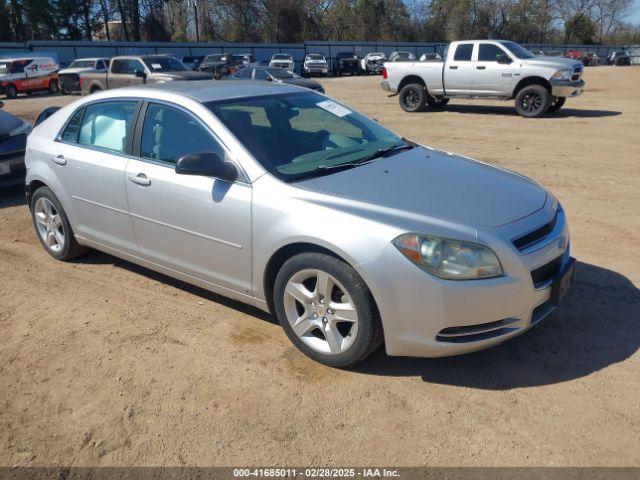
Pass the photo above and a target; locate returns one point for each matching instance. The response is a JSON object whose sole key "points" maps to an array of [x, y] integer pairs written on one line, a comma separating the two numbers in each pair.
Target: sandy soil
{"points": [[105, 363]]}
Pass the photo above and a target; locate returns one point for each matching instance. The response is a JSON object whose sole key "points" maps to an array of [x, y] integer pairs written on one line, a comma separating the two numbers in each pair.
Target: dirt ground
{"points": [[106, 363]]}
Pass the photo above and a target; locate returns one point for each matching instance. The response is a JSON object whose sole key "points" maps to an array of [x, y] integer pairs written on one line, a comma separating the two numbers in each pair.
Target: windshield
{"points": [[213, 58], [298, 135], [164, 64], [282, 57], [315, 56], [517, 50], [5, 67], [81, 64]]}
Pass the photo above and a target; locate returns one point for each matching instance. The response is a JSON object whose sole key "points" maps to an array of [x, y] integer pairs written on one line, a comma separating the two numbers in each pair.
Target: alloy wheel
{"points": [[411, 99], [320, 311], [531, 102], [50, 225]]}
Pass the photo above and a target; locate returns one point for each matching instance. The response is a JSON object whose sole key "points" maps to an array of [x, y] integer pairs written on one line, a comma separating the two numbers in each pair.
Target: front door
{"points": [[196, 225], [123, 73], [491, 78]]}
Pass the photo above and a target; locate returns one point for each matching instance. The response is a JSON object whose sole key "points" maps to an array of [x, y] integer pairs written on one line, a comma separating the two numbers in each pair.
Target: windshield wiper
{"points": [[379, 153]]}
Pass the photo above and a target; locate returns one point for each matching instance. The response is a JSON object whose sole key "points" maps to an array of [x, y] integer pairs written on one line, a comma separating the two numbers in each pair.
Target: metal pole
{"points": [[195, 11]]}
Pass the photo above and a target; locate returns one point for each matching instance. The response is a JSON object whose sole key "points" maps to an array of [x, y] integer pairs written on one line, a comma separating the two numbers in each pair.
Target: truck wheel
{"points": [[532, 101], [556, 104], [413, 98], [437, 102], [95, 89], [11, 91], [53, 87]]}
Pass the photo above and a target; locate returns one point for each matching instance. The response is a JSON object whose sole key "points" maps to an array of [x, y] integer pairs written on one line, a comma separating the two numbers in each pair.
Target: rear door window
{"points": [[119, 66], [70, 133], [107, 125], [463, 52]]}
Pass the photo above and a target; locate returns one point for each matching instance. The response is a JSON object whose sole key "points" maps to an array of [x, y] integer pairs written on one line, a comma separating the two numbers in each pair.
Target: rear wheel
{"points": [[326, 309], [53, 87], [556, 104], [532, 101], [412, 97], [52, 226], [11, 91]]}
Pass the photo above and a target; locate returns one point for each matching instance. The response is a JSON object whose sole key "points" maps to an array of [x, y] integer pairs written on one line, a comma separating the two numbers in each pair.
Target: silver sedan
{"points": [[287, 200]]}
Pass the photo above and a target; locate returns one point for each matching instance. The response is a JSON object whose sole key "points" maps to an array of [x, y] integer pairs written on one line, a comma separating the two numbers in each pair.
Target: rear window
{"points": [[463, 52]]}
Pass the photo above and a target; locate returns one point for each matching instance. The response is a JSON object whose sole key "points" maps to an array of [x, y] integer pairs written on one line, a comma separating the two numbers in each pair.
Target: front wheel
{"points": [[556, 104], [532, 101], [11, 91], [412, 97], [53, 87], [52, 226], [326, 309]]}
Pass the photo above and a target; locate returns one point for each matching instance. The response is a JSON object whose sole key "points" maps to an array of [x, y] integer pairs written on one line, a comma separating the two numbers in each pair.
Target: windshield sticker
{"points": [[333, 107], [156, 66]]}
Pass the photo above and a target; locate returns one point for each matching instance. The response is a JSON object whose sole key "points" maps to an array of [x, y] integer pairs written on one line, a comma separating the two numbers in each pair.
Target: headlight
{"points": [[449, 259], [23, 129], [562, 74]]}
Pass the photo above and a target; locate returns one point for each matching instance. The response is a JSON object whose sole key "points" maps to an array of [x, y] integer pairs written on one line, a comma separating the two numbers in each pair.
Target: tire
{"points": [[95, 89], [53, 225], [53, 87], [352, 340], [413, 98], [556, 104], [532, 101], [11, 91], [437, 103]]}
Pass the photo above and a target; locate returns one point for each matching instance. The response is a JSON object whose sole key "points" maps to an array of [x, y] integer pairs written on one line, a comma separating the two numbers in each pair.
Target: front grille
{"points": [[546, 272], [475, 333], [531, 238]]}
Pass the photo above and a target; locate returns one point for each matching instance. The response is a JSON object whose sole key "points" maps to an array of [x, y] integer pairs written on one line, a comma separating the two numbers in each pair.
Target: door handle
{"points": [[453, 67], [480, 67], [140, 179], [60, 160]]}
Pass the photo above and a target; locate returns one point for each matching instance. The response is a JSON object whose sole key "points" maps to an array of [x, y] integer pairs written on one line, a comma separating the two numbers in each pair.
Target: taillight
{"points": [[81, 80], [384, 73]]}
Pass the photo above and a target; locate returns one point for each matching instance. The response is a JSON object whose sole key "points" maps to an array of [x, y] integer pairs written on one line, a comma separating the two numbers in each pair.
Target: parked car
{"points": [[314, 64], [136, 70], [276, 75], [554, 53], [219, 65], [346, 62], [587, 59], [402, 57], [284, 199], [282, 60], [13, 141], [247, 58], [28, 74], [69, 77], [591, 60], [192, 62], [486, 69], [371, 63], [619, 58], [430, 57]]}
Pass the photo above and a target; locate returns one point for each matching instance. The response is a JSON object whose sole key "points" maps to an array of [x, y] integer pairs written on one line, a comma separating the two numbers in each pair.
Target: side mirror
{"points": [[207, 164], [269, 79], [46, 113], [140, 74], [503, 59]]}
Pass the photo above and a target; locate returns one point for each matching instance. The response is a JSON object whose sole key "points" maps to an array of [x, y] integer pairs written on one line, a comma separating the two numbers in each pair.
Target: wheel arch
{"points": [[31, 187], [534, 80], [411, 79]]}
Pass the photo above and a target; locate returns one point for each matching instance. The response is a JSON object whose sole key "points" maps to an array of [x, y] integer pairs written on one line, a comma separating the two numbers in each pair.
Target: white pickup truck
{"points": [[495, 69]]}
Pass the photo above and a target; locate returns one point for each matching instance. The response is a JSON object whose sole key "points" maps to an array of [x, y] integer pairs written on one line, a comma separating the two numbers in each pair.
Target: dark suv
{"points": [[346, 62], [221, 64]]}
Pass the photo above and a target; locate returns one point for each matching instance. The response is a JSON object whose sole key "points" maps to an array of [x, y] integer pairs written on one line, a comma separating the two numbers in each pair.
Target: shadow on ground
{"points": [[12, 196], [509, 109], [597, 325]]}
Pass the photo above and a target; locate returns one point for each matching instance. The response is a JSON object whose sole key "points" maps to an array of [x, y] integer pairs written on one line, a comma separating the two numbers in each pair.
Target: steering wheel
{"points": [[315, 140]]}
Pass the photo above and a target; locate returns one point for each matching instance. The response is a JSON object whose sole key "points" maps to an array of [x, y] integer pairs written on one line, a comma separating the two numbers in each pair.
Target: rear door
{"points": [[197, 225], [491, 78], [458, 71]]}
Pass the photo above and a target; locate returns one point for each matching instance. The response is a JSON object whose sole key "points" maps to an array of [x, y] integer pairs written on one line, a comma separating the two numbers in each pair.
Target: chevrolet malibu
{"points": [[287, 200]]}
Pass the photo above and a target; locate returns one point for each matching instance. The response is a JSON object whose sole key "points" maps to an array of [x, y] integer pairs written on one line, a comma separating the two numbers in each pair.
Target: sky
{"points": [[635, 14]]}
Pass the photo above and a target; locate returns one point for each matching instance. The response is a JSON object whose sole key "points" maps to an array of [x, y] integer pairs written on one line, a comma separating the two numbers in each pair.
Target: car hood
{"points": [[553, 62], [303, 82], [76, 70], [437, 185], [8, 122], [186, 75]]}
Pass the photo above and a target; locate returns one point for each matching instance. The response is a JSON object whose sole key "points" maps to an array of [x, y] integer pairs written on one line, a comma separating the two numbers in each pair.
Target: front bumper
{"points": [[424, 316], [566, 88]]}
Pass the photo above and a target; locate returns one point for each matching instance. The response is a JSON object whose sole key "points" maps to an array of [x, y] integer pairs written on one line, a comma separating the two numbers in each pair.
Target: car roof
{"points": [[212, 90]]}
